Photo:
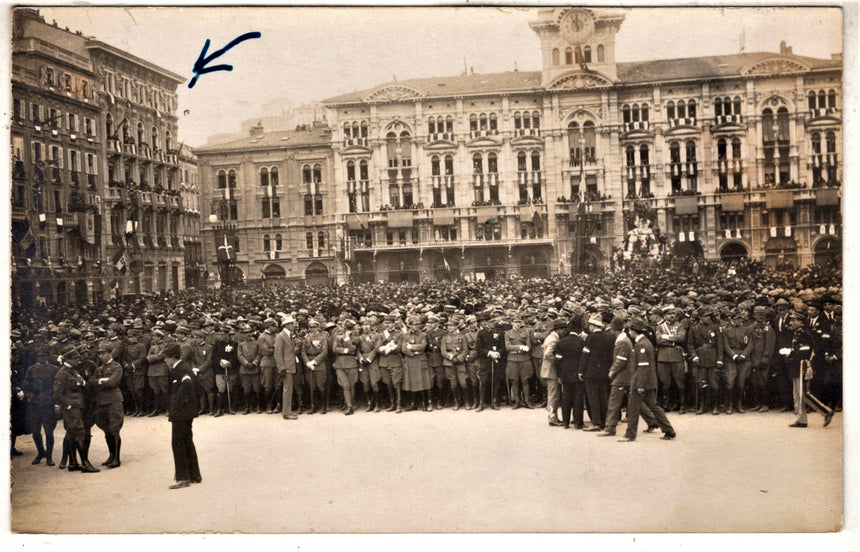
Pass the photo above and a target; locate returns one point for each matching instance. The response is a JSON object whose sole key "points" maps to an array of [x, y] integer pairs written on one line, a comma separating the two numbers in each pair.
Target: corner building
{"points": [[589, 162]]}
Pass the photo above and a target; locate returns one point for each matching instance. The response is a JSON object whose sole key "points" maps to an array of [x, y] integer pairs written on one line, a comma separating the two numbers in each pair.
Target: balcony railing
{"points": [[526, 132], [435, 136], [357, 141], [630, 126], [726, 119], [822, 112], [682, 121], [483, 133], [440, 181]]}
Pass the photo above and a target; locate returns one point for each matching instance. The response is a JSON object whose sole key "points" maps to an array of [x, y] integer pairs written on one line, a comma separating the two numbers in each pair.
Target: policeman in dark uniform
{"points": [[802, 372]]}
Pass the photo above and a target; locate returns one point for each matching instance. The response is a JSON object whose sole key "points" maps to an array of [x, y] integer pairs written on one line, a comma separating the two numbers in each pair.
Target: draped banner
{"points": [[443, 217], [780, 199], [686, 205], [732, 202], [826, 197], [400, 219], [486, 213]]}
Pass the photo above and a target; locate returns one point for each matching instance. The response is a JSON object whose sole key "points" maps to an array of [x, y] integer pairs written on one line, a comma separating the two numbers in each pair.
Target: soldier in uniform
{"points": [[416, 370], [39, 389], [249, 368], [135, 367], [205, 372], [705, 348], [368, 371], [266, 347], [472, 362], [643, 383], [801, 370], [434, 357], [315, 358], [109, 414], [737, 349], [157, 374], [518, 369], [345, 344], [69, 403], [538, 333], [671, 336], [454, 348], [225, 364], [764, 339], [388, 343], [780, 380]]}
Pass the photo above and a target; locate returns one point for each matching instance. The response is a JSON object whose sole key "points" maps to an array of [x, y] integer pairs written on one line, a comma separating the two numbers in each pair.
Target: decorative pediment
{"points": [[775, 66], [394, 93], [484, 141], [579, 81]]}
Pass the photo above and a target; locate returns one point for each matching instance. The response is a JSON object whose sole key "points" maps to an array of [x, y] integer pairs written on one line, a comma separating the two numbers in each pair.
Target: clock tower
{"points": [[577, 40]]}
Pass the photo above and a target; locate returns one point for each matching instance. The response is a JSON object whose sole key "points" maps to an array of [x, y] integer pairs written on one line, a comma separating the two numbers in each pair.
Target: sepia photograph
{"points": [[500, 271]]}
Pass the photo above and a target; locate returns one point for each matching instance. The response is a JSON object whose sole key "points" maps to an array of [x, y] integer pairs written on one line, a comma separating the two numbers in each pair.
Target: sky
{"points": [[310, 54]]}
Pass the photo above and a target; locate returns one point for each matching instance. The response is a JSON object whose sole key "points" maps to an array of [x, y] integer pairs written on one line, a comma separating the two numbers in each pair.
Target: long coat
{"points": [[183, 395], [644, 368], [569, 348], [547, 366]]}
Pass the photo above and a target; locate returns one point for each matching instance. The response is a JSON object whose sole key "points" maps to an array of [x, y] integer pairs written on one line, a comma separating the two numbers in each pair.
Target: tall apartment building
{"points": [[587, 163], [189, 197], [97, 210], [57, 163]]}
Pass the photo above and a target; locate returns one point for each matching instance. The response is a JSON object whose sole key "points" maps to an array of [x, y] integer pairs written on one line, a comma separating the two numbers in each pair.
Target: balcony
{"points": [[725, 165], [114, 147], [632, 172], [729, 119], [76, 178], [526, 178], [436, 136], [359, 141], [129, 148], [632, 126], [682, 121], [527, 132], [483, 133], [577, 163], [821, 112], [91, 181], [424, 245], [439, 181]]}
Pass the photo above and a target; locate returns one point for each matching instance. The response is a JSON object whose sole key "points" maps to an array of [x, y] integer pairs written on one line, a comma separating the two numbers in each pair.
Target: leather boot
{"points": [[259, 397], [117, 444], [86, 467], [247, 404], [73, 460], [515, 395], [739, 392], [700, 406], [371, 400], [392, 400], [467, 396], [527, 398], [217, 410], [64, 459], [682, 400], [480, 400], [377, 398], [111, 449], [715, 401], [156, 407], [730, 408], [399, 393], [457, 394]]}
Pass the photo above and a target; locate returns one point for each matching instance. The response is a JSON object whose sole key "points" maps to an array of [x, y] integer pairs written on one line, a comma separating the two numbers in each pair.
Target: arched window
{"points": [[279, 244], [682, 112], [556, 56], [267, 243], [273, 176], [449, 165], [350, 171], [535, 160], [477, 164], [321, 239], [518, 120], [643, 112], [347, 131], [431, 126], [831, 142], [643, 155], [587, 54], [589, 132], [736, 103], [822, 99], [630, 153], [231, 178], [492, 163], [473, 123], [736, 148], [568, 56], [670, 110], [601, 56], [691, 151], [309, 240], [435, 168], [362, 169], [691, 109], [831, 99], [363, 129], [317, 173], [168, 144], [718, 107], [222, 179], [264, 176], [306, 174], [141, 139], [521, 162], [535, 119], [675, 152], [816, 142], [625, 114]]}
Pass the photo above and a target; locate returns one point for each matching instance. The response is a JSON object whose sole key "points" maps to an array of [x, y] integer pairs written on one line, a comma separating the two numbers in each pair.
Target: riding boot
{"points": [[399, 392], [714, 396], [73, 460], [515, 395], [201, 409], [117, 443], [467, 396], [527, 397], [682, 400], [494, 393], [86, 467], [156, 407], [86, 444], [371, 400], [730, 399], [111, 449], [700, 400], [217, 409], [482, 389], [428, 402], [65, 458], [440, 397], [739, 392]]}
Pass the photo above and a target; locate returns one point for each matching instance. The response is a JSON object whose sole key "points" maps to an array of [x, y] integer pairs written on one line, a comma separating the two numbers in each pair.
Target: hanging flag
{"points": [[119, 260], [225, 245], [773, 231], [788, 231], [447, 266], [42, 218], [87, 227], [692, 236], [682, 237], [269, 190], [537, 219], [728, 233]]}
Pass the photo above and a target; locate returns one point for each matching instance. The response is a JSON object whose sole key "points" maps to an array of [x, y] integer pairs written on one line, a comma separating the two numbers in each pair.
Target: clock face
{"points": [[577, 26]]}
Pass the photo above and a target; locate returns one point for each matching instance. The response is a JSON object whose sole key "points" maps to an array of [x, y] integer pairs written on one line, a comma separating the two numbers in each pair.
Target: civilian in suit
{"points": [[548, 372], [285, 360], [181, 413], [568, 353], [594, 368]]}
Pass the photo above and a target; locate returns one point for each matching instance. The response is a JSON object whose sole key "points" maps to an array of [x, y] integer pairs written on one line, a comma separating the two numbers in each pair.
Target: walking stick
{"points": [[227, 385]]}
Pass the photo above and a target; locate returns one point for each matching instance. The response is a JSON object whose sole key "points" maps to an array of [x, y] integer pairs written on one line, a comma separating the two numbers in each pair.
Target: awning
{"points": [[826, 197], [732, 202], [687, 205], [400, 219], [443, 217], [780, 199]]}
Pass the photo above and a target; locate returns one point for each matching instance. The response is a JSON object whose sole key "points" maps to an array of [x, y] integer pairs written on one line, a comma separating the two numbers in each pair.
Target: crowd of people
{"points": [[626, 343]]}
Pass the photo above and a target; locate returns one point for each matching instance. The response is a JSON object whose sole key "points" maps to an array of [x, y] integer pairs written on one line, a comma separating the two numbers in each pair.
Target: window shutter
{"points": [[95, 165], [60, 158]]}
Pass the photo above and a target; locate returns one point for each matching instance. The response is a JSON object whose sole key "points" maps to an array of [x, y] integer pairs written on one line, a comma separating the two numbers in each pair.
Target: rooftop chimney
{"points": [[784, 48], [257, 130]]}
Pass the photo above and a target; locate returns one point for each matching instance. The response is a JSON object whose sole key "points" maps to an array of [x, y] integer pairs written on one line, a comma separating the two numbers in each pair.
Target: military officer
{"points": [[454, 348], [519, 369]]}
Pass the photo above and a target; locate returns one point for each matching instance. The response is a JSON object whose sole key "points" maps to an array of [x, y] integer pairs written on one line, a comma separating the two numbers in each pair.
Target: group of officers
{"points": [[591, 356]]}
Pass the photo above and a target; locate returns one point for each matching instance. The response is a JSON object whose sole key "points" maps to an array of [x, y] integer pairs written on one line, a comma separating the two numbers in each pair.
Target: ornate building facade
{"points": [[56, 166], [590, 162], [189, 198], [269, 211], [141, 204]]}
